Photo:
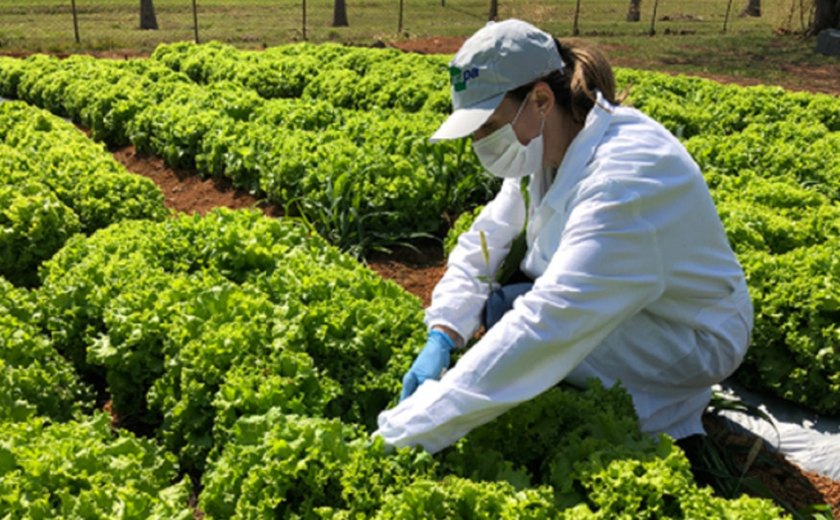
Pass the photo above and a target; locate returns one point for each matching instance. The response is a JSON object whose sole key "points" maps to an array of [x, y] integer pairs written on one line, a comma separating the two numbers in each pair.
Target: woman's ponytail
{"points": [[587, 70]]}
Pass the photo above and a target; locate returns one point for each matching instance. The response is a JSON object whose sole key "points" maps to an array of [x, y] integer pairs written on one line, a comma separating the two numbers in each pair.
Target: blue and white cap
{"points": [[498, 58]]}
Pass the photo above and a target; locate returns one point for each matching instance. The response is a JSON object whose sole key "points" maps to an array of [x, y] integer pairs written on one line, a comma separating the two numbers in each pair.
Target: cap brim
{"points": [[465, 121]]}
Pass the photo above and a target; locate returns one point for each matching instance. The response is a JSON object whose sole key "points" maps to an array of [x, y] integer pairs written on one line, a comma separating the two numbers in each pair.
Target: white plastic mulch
{"points": [[804, 437]]}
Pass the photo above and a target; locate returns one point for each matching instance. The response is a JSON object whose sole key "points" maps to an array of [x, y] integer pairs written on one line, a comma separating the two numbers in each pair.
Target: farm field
{"points": [[244, 357], [418, 270], [688, 39]]}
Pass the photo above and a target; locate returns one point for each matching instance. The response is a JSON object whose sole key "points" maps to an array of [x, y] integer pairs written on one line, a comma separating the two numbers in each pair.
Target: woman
{"points": [[605, 211]]}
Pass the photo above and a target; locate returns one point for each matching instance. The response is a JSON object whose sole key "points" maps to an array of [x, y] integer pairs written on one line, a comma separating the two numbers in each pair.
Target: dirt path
{"points": [[185, 190]]}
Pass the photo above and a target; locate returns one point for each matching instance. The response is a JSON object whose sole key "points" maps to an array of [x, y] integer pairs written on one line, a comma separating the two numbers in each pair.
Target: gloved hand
{"points": [[430, 363]]}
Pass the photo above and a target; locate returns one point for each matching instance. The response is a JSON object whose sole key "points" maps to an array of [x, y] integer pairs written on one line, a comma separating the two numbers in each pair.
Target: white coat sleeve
{"points": [[460, 295], [607, 268]]}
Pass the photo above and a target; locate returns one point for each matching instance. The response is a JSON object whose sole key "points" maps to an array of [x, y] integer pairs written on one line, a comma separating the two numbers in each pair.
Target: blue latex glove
{"points": [[430, 363]]}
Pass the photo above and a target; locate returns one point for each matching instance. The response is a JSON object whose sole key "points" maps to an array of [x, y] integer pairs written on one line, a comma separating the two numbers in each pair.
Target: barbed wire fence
{"points": [[103, 24]]}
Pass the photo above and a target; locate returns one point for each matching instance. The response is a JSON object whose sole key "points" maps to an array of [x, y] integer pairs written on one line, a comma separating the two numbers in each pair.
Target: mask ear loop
{"points": [[519, 111], [521, 107]]}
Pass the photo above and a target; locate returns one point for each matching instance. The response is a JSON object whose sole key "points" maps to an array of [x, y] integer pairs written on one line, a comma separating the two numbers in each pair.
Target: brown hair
{"points": [[587, 70]]}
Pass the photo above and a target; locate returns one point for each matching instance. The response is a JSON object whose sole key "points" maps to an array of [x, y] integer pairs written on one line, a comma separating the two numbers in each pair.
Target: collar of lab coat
{"points": [[573, 167]]}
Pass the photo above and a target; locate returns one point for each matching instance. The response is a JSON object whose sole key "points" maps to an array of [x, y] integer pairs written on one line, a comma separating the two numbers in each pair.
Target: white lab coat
{"points": [[634, 281]]}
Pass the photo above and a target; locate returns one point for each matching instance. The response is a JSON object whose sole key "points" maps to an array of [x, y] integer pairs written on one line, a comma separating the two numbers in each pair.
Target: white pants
{"points": [[670, 383]]}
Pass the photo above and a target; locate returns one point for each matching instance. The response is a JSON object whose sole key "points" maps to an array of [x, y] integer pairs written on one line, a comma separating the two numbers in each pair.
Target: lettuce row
{"points": [[346, 77], [586, 446], [54, 182], [36, 380], [691, 106], [351, 176], [100, 95], [287, 465], [35, 224], [796, 341], [575, 464], [82, 469], [795, 156], [196, 321]]}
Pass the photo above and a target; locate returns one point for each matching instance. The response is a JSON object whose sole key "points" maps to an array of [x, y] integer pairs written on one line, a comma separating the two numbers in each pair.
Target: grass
{"points": [[688, 36]]}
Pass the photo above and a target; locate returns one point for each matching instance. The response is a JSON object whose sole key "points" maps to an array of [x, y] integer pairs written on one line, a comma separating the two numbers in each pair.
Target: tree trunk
{"points": [[147, 15], [494, 10], [340, 14], [634, 13], [753, 8], [826, 16]]}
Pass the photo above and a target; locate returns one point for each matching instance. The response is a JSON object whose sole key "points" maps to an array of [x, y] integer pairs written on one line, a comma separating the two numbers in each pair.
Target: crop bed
{"points": [[246, 357]]}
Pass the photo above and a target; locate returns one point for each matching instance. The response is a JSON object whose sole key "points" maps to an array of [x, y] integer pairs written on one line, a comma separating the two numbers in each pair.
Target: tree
{"points": [[826, 16], [753, 8], [634, 13], [147, 15], [340, 14]]}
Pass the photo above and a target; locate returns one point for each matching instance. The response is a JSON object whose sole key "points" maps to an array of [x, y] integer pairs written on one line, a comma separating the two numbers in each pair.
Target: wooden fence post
{"points": [[195, 21], [303, 21], [726, 18], [653, 18], [75, 21]]}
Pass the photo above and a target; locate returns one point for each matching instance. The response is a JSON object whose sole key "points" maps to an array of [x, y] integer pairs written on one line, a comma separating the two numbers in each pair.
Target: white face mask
{"points": [[504, 156]]}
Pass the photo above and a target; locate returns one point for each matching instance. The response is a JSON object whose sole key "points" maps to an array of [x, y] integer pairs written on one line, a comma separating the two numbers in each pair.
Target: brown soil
{"points": [[784, 480], [435, 45], [418, 271], [186, 191]]}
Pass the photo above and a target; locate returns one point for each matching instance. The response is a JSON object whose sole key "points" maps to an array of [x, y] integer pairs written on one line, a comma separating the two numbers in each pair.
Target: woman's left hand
{"points": [[431, 362]]}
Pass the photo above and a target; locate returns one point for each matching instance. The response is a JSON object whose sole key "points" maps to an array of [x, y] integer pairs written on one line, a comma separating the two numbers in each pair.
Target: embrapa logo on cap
{"points": [[460, 77]]}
